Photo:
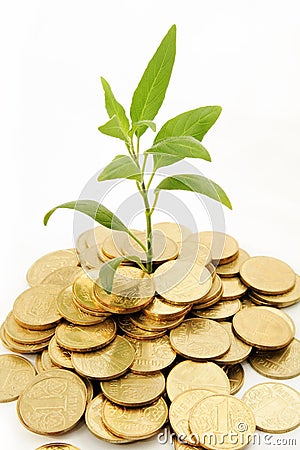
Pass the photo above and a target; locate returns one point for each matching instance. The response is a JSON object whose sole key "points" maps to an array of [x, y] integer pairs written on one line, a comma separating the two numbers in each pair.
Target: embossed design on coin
{"points": [[267, 275], [133, 389], [135, 423], [279, 364], [85, 338], [94, 422], [36, 307], [53, 403], [276, 407], [58, 355], [49, 263], [63, 276], [216, 419], [152, 355], [105, 364], [180, 410], [196, 375], [15, 374], [200, 339], [263, 328]]}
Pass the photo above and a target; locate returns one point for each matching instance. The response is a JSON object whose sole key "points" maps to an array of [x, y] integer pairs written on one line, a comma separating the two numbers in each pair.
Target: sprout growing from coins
{"points": [[179, 138]]}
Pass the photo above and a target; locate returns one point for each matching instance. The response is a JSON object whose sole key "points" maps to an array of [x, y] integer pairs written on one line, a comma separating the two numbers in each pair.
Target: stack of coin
{"points": [[180, 335]]}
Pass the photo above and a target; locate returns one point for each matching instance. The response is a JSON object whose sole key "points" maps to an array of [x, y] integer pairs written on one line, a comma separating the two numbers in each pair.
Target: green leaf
{"points": [[195, 123], [151, 90], [108, 270], [122, 166], [195, 183], [114, 108], [142, 123], [180, 147], [94, 210], [163, 160], [113, 128]]}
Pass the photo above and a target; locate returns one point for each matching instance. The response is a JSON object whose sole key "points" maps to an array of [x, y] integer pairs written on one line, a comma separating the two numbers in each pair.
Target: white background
{"points": [[242, 55]]}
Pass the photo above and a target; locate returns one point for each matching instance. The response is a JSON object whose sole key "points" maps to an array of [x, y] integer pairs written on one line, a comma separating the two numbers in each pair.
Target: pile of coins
{"points": [[161, 347]]}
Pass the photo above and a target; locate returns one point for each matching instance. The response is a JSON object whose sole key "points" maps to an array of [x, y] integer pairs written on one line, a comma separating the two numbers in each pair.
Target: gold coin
{"points": [[232, 269], [107, 363], [57, 446], [282, 300], [224, 248], [46, 361], [71, 312], [38, 363], [181, 285], [267, 275], [164, 248], [193, 252], [258, 302], [196, 375], [36, 307], [219, 311], [133, 389], [161, 310], [177, 232], [279, 364], [53, 402], [94, 422], [276, 407], [58, 355], [283, 315], [236, 375], [246, 302], [135, 332], [135, 423], [200, 339], [15, 374], [23, 335], [238, 351], [49, 263], [180, 410], [17, 347], [96, 235], [85, 338], [83, 290], [89, 389], [132, 290], [148, 324], [216, 419], [152, 355], [81, 242], [112, 244], [214, 295], [90, 258], [63, 276], [262, 328], [233, 288]]}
